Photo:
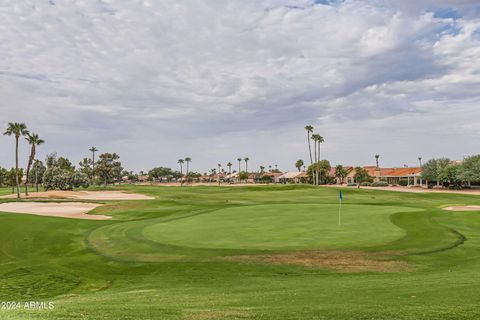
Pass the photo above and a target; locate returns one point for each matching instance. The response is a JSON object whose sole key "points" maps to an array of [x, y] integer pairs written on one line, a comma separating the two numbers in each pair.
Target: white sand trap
{"points": [[74, 210], [462, 208], [84, 195]]}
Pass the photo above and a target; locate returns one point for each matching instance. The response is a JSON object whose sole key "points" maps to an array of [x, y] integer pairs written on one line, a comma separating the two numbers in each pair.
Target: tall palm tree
{"points": [[309, 129], [246, 163], [219, 170], [34, 140], [319, 143], [17, 130], [93, 150], [299, 164], [239, 164], [270, 168], [315, 138], [229, 165], [262, 169], [377, 156], [180, 162], [187, 160]]}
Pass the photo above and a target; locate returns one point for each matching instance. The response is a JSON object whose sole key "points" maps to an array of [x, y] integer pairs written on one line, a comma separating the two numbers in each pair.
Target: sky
{"points": [[156, 81]]}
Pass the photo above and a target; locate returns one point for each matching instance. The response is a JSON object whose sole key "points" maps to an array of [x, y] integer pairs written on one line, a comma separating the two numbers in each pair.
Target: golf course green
{"points": [[258, 252]]}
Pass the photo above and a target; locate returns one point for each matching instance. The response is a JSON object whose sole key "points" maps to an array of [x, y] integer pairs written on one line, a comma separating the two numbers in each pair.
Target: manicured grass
{"points": [[168, 258], [282, 226]]}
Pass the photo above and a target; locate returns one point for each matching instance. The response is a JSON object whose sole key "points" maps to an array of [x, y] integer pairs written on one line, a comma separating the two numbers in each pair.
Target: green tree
{"points": [[432, 169], [37, 172], [34, 141], [451, 175], [299, 164], [262, 169], [377, 156], [108, 168], [86, 167], [361, 176], [3, 176], [17, 130], [471, 169], [229, 165], [243, 176], [321, 167], [340, 173]]}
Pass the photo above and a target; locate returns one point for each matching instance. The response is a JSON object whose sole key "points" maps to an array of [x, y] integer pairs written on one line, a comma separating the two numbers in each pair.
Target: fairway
{"points": [[260, 252], [288, 226]]}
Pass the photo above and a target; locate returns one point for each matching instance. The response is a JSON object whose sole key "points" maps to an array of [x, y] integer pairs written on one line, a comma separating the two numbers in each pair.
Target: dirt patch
{"points": [[343, 261], [83, 195], [210, 315], [462, 208], [73, 210]]}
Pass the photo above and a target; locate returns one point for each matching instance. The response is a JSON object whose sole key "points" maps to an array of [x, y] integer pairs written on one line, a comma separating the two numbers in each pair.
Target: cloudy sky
{"points": [[156, 80]]}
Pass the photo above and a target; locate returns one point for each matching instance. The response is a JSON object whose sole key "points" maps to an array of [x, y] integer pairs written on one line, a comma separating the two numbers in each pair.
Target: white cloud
{"points": [[156, 81]]}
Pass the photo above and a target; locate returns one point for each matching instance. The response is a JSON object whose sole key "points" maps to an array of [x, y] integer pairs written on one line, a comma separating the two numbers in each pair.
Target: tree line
{"points": [[56, 172]]}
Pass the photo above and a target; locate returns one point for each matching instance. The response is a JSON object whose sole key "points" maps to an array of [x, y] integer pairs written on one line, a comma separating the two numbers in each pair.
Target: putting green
{"points": [[282, 226]]}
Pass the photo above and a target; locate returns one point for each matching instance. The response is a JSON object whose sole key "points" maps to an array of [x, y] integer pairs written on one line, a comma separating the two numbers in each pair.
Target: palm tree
{"points": [[246, 163], [187, 160], [319, 143], [219, 170], [16, 129], [299, 164], [93, 150], [270, 168], [315, 138], [309, 129], [229, 165], [377, 156], [262, 169], [180, 162], [239, 164], [421, 178], [34, 140]]}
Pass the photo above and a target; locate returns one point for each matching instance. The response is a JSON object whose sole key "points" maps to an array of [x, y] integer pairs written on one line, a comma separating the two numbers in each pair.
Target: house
{"points": [[405, 176], [292, 177], [402, 176]]}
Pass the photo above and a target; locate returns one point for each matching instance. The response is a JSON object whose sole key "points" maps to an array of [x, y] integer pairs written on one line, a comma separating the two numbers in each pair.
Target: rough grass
{"points": [[112, 270]]}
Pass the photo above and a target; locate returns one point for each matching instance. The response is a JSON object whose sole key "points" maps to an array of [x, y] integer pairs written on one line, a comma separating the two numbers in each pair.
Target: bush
{"points": [[81, 180], [366, 184], [351, 184], [403, 183], [380, 184], [57, 178]]}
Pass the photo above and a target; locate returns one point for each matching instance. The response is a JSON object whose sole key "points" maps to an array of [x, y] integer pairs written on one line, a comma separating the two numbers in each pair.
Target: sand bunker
{"points": [[84, 195], [462, 208], [74, 210]]}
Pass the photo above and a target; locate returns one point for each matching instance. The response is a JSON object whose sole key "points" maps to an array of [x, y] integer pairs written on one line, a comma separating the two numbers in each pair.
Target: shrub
{"points": [[81, 180], [366, 184], [380, 184], [403, 183], [351, 184]]}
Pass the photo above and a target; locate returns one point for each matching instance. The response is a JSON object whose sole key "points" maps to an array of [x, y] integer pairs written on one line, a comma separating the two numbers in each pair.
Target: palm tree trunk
{"points": [[319, 177], [315, 177], [309, 147], [30, 161], [16, 167]]}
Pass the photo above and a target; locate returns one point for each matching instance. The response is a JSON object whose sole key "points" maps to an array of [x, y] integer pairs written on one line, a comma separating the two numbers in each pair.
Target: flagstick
{"points": [[340, 213]]}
